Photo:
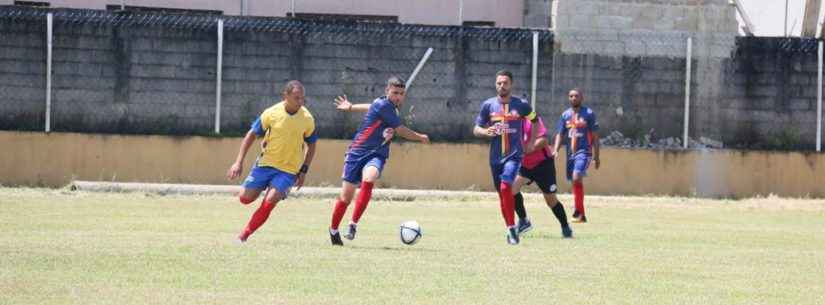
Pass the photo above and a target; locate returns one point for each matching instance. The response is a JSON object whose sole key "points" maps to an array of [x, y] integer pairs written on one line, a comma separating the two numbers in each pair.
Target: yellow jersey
{"points": [[284, 135]]}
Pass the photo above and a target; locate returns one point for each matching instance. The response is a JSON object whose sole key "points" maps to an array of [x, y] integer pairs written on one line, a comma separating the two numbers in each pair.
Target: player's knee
{"points": [[245, 200]]}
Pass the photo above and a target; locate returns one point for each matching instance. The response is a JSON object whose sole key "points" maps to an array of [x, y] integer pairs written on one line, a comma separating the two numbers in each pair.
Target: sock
{"points": [[558, 210], [364, 195], [258, 218], [578, 196], [338, 214], [506, 200], [519, 206]]}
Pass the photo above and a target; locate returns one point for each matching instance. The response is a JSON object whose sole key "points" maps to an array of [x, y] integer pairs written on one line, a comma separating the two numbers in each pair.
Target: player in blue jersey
{"points": [[579, 129], [369, 151], [501, 119]]}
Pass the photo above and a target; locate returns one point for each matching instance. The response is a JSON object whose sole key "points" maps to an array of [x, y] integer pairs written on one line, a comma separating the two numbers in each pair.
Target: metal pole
{"points": [[418, 68], [786, 18], [49, 35], [122, 5], [535, 69], [819, 102], [688, 60], [244, 4], [218, 82], [292, 8], [461, 12]]}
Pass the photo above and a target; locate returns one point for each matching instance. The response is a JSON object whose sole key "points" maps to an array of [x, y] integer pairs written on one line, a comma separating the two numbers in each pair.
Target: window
{"points": [[479, 23], [32, 3], [163, 10], [345, 18]]}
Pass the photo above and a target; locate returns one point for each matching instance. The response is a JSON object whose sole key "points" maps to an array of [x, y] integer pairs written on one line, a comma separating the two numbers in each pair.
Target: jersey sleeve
{"points": [[592, 123], [309, 135], [387, 113], [561, 126], [483, 118], [257, 128]]}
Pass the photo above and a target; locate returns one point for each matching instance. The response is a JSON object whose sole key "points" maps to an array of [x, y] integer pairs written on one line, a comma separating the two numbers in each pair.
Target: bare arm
{"points": [[596, 149], [308, 156], [538, 143], [531, 143], [556, 144], [482, 132], [343, 104], [409, 134], [237, 168]]}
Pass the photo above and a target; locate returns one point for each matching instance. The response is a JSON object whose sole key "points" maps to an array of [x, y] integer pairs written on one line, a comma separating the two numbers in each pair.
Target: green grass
{"points": [[61, 247]]}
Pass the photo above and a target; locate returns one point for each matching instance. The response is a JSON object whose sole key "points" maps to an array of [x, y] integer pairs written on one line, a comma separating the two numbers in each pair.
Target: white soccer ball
{"points": [[410, 232]]}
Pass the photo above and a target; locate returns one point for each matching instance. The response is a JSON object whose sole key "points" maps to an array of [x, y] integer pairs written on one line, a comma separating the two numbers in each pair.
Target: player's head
{"points": [[293, 93], [396, 90], [576, 96], [504, 83]]}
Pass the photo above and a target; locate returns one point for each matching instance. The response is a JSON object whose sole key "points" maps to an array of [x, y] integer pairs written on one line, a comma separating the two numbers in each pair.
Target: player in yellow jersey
{"points": [[283, 162]]}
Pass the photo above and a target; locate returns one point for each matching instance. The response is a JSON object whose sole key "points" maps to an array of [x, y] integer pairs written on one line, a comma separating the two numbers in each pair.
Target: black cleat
{"points": [[351, 232], [566, 232], [524, 226], [335, 239], [512, 236]]}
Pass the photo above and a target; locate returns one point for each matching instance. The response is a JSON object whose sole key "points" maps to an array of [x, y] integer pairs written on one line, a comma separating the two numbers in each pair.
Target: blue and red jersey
{"points": [[376, 131], [576, 129], [508, 119]]}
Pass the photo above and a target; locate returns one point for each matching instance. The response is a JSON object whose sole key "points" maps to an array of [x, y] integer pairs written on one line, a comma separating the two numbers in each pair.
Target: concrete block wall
{"points": [[645, 27], [22, 75]]}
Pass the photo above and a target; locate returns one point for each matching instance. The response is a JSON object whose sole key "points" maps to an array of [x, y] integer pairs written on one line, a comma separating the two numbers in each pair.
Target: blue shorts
{"points": [[354, 168], [505, 172], [578, 164], [261, 177]]}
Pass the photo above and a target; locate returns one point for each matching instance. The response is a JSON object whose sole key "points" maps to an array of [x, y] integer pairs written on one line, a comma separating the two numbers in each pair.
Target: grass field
{"points": [[63, 247]]}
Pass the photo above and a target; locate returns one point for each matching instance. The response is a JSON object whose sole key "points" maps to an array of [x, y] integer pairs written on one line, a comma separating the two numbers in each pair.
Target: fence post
{"points": [[535, 69], [49, 35], [688, 62], [218, 74], [819, 101]]}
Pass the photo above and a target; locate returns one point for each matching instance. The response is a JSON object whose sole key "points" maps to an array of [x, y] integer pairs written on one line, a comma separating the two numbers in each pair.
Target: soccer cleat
{"points": [[336, 239], [580, 219], [524, 225], [351, 232], [576, 214], [566, 232], [512, 236]]}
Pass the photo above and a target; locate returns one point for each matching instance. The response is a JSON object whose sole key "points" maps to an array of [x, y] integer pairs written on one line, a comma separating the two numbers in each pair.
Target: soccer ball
{"points": [[410, 232]]}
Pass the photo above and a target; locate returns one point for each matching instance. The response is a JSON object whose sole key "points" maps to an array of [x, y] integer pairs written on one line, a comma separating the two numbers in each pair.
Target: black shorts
{"points": [[544, 175]]}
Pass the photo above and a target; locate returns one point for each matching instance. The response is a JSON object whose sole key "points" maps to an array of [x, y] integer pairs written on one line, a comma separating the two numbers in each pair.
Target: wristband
{"points": [[304, 169]]}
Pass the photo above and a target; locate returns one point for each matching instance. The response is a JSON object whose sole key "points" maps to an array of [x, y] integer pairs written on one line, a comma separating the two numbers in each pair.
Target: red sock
{"points": [[578, 196], [506, 199], [338, 214], [362, 201], [258, 218]]}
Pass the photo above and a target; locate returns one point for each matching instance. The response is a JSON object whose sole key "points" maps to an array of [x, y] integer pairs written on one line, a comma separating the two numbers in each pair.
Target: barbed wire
{"points": [[265, 24]]}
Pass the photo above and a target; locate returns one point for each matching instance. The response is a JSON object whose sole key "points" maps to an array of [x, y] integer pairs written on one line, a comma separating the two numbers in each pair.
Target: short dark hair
{"points": [[577, 89], [291, 85], [505, 73], [396, 81]]}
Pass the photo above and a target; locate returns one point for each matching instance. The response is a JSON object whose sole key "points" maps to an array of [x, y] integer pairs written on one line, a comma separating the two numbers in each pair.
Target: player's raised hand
{"points": [[342, 103], [234, 171], [300, 181]]}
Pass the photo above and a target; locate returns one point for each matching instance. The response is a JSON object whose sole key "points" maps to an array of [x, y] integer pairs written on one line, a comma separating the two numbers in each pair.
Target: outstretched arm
{"points": [[556, 145], [596, 149], [411, 135], [343, 104], [237, 168]]}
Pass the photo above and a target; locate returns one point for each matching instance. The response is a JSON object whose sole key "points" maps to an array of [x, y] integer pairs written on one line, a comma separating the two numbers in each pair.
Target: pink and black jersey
{"points": [[508, 121], [376, 131], [577, 129], [534, 158]]}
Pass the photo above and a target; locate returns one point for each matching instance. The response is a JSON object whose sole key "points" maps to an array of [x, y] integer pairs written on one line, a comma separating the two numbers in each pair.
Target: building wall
{"points": [[54, 159], [505, 13]]}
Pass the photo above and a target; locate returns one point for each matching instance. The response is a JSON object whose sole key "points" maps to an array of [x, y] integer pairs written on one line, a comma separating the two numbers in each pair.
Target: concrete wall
{"points": [[54, 159], [505, 13]]}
